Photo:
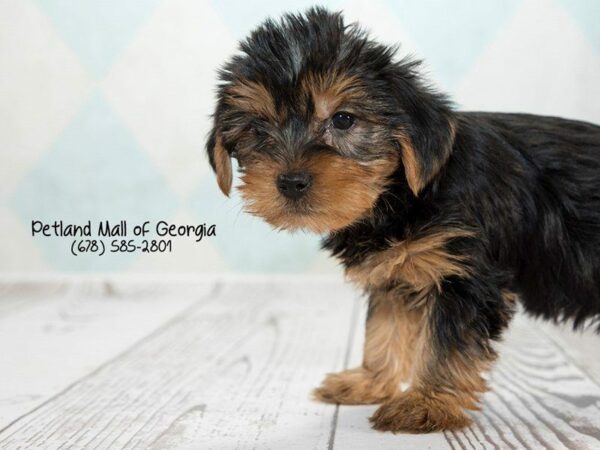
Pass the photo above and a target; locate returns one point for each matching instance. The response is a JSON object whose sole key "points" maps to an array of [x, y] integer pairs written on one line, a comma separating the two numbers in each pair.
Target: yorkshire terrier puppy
{"points": [[444, 218]]}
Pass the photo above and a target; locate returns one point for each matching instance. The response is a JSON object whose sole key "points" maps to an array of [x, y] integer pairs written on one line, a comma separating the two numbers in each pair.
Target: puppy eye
{"points": [[342, 120]]}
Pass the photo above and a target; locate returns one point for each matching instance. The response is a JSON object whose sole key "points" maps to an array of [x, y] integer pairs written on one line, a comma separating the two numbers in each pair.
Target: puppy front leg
{"points": [[453, 349], [391, 331]]}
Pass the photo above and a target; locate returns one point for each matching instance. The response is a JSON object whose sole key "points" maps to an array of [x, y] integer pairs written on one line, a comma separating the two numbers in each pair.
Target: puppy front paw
{"points": [[416, 412], [352, 387]]}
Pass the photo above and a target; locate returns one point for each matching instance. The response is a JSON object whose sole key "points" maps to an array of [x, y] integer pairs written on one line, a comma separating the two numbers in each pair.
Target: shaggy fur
{"points": [[443, 217]]}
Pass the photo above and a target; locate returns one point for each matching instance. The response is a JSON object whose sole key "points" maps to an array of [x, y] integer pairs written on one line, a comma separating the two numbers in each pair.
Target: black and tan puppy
{"points": [[445, 218]]}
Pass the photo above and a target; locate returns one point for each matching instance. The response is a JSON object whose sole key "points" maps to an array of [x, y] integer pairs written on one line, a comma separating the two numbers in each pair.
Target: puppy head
{"points": [[320, 118]]}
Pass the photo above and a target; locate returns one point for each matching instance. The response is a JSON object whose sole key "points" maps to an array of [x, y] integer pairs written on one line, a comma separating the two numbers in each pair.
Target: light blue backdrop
{"points": [[104, 107]]}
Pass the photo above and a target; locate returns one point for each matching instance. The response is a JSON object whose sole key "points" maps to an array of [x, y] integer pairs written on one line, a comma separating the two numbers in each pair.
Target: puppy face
{"points": [[318, 162], [320, 118]]}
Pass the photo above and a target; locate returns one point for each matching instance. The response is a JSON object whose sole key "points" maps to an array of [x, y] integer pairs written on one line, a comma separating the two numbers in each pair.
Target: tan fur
{"points": [[397, 345], [464, 377], [412, 167], [356, 386], [509, 296], [223, 167], [253, 97], [442, 387], [390, 344], [416, 412], [399, 342], [392, 333], [440, 391], [343, 190], [398, 348], [438, 396], [420, 262], [329, 91], [402, 280]]}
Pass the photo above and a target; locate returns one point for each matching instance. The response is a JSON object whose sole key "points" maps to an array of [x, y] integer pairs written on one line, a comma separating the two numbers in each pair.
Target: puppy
{"points": [[444, 218]]}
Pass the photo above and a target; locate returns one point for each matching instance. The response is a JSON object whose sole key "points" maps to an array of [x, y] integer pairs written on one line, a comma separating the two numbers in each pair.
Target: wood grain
{"points": [[56, 332], [229, 372], [539, 398], [230, 364]]}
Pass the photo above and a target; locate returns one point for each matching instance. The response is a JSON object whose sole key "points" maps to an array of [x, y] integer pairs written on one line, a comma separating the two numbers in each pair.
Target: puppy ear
{"points": [[220, 160], [426, 150], [427, 129]]}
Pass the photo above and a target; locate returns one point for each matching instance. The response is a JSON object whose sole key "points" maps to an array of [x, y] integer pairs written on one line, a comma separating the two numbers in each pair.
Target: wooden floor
{"points": [[230, 363]]}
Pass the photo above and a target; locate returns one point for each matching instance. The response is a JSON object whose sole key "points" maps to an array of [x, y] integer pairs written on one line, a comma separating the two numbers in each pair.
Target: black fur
{"points": [[527, 186]]}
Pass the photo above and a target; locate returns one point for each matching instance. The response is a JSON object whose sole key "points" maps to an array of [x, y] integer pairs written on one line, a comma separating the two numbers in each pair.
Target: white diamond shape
{"points": [[18, 252], [376, 17], [539, 63], [42, 86], [163, 86]]}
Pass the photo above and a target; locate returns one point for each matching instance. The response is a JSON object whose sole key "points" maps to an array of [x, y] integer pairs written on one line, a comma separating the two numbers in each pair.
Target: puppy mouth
{"points": [[293, 205], [301, 214], [323, 194]]}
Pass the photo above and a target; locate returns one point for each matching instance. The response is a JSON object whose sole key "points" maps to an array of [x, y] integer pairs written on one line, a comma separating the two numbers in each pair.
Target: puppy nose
{"points": [[294, 185]]}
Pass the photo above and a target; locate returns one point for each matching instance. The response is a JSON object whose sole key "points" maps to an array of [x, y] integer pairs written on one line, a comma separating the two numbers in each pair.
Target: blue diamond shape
{"points": [[451, 35], [246, 242], [95, 171], [97, 30]]}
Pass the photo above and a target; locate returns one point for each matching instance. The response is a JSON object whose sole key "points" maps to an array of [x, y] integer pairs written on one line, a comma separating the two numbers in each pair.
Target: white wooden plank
{"points": [[231, 373], [539, 399], [17, 294], [56, 332], [581, 346], [235, 371]]}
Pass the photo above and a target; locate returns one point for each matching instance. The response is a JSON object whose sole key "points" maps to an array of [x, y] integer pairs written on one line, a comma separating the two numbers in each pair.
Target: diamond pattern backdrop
{"points": [[104, 109]]}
